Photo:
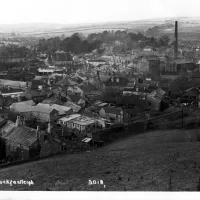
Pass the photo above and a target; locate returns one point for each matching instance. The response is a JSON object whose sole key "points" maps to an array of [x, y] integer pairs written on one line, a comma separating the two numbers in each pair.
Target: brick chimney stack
{"points": [[176, 40]]}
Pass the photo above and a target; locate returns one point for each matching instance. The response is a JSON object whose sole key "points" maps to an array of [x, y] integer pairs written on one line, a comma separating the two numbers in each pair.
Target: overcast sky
{"points": [[90, 11]]}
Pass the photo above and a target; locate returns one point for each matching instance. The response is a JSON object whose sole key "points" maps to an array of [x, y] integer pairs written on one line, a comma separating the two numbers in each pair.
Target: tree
{"points": [[181, 83], [85, 46], [62, 37], [164, 40], [4, 54]]}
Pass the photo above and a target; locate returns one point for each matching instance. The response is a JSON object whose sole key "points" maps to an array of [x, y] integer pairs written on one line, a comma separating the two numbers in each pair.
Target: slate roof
{"points": [[182, 61], [1, 119], [75, 98], [22, 135], [29, 103], [157, 95], [152, 88], [195, 75], [154, 97], [66, 81], [88, 87], [152, 57], [7, 101], [14, 84], [35, 84], [89, 114], [7, 128], [11, 90], [74, 107], [160, 92], [22, 106], [112, 110], [38, 78], [191, 92], [61, 109], [37, 108], [52, 101], [122, 82], [34, 93], [41, 108]]}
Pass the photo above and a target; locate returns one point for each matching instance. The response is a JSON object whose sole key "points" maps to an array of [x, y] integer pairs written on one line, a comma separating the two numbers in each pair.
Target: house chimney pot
{"points": [[19, 98], [38, 134], [17, 123], [49, 128], [40, 87]]}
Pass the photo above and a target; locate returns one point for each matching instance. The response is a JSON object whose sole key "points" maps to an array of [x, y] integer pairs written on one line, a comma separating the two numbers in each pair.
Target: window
{"points": [[45, 137], [14, 147]]}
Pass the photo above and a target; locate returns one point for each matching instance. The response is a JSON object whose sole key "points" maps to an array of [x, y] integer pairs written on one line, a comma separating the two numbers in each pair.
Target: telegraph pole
{"points": [[182, 115]]}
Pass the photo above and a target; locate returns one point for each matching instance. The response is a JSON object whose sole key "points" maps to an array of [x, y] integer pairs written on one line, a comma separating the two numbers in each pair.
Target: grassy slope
{"points": [[137, 163]]}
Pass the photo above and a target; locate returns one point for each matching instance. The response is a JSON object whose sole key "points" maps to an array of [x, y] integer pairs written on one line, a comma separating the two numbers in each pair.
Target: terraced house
{"points": [[24, 143]]}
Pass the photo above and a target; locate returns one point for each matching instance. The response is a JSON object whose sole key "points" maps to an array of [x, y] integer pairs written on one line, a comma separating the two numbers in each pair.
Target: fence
{"points": [[179, 119]]}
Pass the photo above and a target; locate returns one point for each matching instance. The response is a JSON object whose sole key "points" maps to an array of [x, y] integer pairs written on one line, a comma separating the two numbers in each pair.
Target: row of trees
{"points": [[11, 52], [79, 44], [74, 44]]}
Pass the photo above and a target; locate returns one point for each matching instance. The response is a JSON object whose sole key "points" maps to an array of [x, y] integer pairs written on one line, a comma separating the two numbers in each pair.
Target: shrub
{"points": [[176, 136]]}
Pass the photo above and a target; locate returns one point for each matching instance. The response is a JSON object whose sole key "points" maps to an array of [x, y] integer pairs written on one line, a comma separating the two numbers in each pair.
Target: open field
{"points": [[138, 163], [189, 28]]}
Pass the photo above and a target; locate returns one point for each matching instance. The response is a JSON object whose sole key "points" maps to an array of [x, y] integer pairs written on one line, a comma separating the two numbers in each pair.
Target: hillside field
{"points": [[138, 163]]}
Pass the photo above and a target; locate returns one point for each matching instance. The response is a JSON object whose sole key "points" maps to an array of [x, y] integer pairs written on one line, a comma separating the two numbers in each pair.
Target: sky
{"points": [[93, 11]]}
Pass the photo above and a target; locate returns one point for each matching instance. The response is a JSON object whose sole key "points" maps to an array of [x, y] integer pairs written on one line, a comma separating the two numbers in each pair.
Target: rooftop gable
{"points": [[22, 135]]}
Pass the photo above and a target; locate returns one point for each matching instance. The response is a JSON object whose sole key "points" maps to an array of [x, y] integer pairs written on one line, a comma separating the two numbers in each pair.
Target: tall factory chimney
{"points": [[176, 40]]}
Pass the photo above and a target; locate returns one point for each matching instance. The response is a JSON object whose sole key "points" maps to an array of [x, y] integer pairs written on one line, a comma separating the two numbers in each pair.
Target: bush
{"points": [[178, 136]]}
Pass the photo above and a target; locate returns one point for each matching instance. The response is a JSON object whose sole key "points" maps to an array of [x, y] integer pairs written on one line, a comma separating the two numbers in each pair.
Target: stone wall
{"points": [[49, 148]]}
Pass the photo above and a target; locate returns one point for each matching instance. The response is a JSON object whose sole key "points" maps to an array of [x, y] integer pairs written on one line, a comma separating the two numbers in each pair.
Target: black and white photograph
{"points": [[99, 96]]}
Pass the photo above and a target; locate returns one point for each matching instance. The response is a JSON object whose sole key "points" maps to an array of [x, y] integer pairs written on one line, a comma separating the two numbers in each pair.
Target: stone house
{"points": [[75, 90], [24, 143], [62, 110], [89, 89], [158, 100], [190, 95], [77, 99], [41, 114], [112, 113], [35, 95], [50, 144], [78, 122], [74, 107]]}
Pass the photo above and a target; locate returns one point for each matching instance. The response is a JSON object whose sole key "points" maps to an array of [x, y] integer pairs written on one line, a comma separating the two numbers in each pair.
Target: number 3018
{"points": [[95, 182]]}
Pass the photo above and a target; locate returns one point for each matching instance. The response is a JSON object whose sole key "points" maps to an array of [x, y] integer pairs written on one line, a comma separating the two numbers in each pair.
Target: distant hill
{"points": [[152, 27], [188, 28]]}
